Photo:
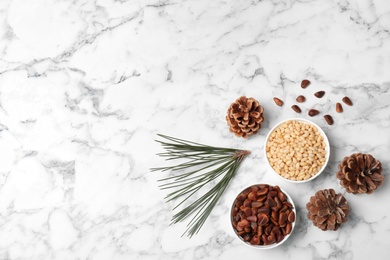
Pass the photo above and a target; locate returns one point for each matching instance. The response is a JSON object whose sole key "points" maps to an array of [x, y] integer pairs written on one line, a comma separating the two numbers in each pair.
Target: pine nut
{"points": [[297, 150]]}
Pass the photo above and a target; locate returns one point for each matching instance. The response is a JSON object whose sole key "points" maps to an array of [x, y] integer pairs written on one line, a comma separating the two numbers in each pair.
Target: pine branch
{"points": [[204, 164]]}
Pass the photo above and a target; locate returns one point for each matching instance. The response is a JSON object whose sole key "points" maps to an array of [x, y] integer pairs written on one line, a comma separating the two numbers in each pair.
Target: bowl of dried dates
{"points": [[263, 216], [297, 150]]}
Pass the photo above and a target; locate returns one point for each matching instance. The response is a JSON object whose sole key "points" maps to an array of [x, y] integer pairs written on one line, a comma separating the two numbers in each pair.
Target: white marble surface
{"points": [[85, 86]]}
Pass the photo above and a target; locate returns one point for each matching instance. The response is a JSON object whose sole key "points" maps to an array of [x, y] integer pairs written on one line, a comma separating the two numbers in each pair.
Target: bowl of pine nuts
{"points": [[297, 150]]}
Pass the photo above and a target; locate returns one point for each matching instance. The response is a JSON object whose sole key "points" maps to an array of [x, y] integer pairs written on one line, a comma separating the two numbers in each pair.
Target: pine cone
{"points": [[245, 116], [360, 173], [327, 209]]}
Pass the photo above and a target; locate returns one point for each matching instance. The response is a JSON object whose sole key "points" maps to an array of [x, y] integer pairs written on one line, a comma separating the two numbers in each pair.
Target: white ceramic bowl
{"points": [[327, 148], [289, 199]]}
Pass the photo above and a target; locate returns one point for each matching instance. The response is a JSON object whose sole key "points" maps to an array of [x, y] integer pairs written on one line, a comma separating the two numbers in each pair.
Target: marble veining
{"points": [[85, 86]]}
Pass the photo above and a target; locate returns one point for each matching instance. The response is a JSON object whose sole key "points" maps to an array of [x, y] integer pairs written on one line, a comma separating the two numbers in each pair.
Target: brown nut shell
{"points": [[328, 119], [296, 108], [278, 101], [347, 101], [263, 222], [300, 99], [339, 108], [305, 83], [319, 94], [313, 112]]}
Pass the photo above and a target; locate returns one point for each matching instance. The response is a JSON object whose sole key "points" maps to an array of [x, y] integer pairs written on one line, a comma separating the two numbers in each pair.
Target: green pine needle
{"points": [[204, 164]]}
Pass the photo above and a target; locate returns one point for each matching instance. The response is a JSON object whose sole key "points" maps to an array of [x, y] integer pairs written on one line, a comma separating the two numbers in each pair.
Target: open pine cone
{"points": [[245, 116], [327, 209], [360, 173]]}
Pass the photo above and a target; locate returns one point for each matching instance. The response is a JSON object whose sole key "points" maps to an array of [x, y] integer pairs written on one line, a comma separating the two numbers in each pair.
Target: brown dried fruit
{"points": [[270, 202], [271, 239], [313, 112], [347, 101], [272, 193], [268, 230], [327, 209], [278, 203], [291, 216], [252, 196], [255, 240], [262, 198], [260, 230], [339, 108], [244, 116], [328, 119], [275, 222], [288, 228], [282, 218], [247, 237], [264, 239], [301, 99], [282, 197], [262, 219], [319, 94], [276, 231], [264, 210], [262, 191], [305, 83], [278, 101], [275, 215], [241, 197], [288, 204], [252, 218], [247, 211], [257, 204], [243, 223], [296, 108], [360, 173], [279, 238]]}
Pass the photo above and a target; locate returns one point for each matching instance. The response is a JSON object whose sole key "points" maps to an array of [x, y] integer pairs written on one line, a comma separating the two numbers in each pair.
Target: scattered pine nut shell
{"points": [[347, 101], [305, 83], [301, 99], [319, 94], [313, 112], [278, 101], [328, 119], [296, 108], [339, 108]]}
